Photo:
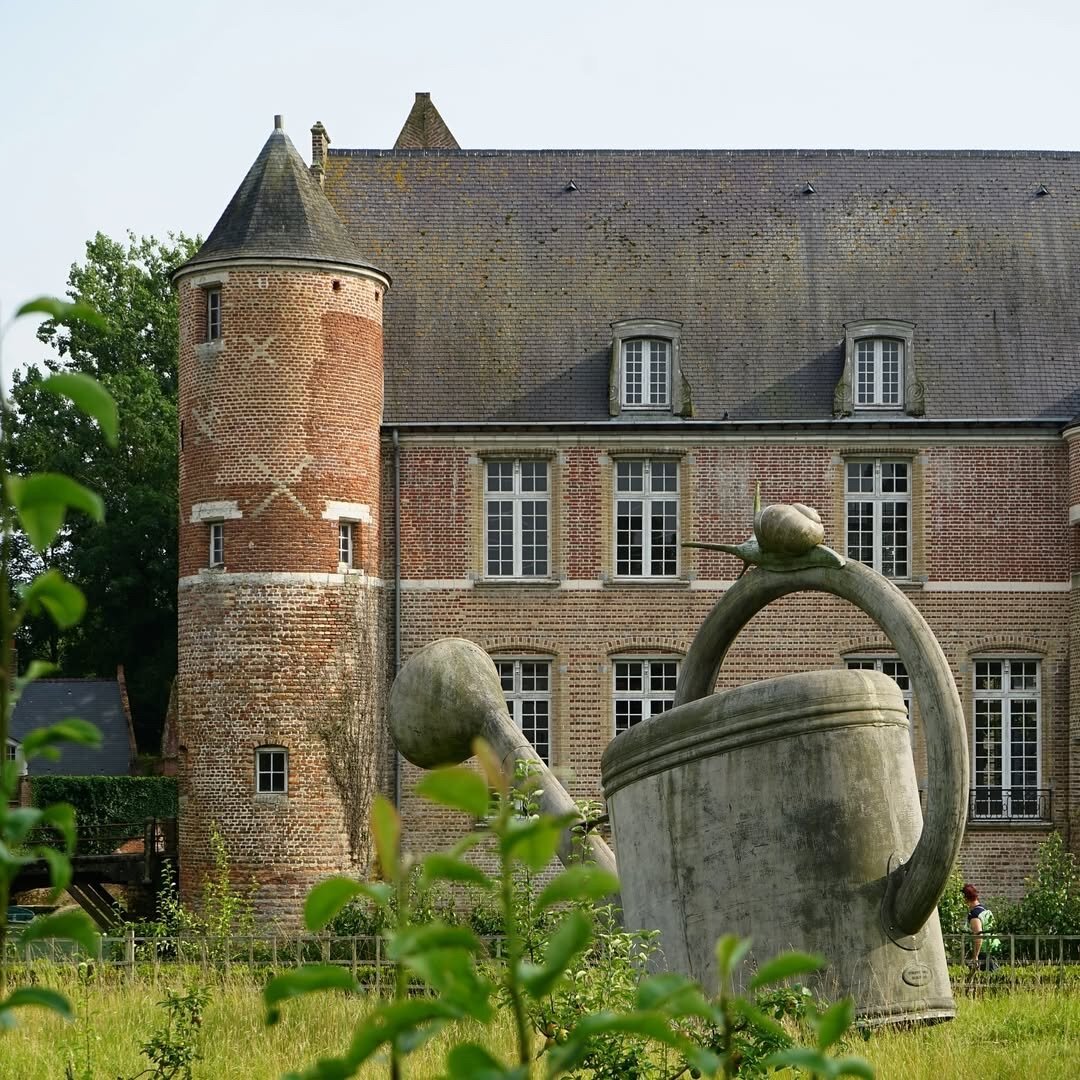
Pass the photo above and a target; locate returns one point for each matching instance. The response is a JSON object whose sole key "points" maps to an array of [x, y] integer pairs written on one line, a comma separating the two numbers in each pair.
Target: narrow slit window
{"points": [[346, 543], [217, 543], [213, 314]]}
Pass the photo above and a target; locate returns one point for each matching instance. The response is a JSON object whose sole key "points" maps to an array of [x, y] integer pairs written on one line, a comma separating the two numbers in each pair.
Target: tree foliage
{"points": [[127, 564]]}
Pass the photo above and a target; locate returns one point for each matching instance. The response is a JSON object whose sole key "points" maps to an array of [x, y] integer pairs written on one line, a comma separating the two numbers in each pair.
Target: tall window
{"points": [[646, 374], [271, 770], [516, 519], [646, 518], [894, 668], [1006, 735], [879, 372], [642, 688], [217, 543], [879, 515], [527, 687], [213, 314], [346, 542]]}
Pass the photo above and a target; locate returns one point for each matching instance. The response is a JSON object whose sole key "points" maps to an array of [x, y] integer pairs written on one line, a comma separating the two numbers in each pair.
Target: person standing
{"points": [[980, 923]]}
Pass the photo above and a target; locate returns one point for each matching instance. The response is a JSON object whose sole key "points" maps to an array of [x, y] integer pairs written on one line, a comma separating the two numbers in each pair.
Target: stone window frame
{"points": [[647, 696], [913, 394], [214, 328], [269, 749], [647, 495], [1041, 697], [625, 330], [517, 456], [517, 696], [216, 536], [351, 515], [877, 497]]}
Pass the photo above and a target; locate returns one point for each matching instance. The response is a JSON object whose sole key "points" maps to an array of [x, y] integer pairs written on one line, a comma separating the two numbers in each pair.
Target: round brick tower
{"points": [[280, 680]]}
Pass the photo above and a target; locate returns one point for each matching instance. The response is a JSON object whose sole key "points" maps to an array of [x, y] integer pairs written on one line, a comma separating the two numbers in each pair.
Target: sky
{"points": [[145, 116]]}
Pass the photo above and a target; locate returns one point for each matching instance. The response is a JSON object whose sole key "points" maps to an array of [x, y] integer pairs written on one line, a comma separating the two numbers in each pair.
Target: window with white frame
{"points": [[217, 543], [346, 543], [13, 753], [526, 685], [271, 770], [213, 314], [878, 510], [895, 669], [646, 374], [516, 514], [879, 373], [642, 688], [646, 518], [1006, 735]]}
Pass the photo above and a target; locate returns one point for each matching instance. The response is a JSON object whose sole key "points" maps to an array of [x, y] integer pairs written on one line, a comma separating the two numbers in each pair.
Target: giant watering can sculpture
{"points": [[786, 810]]}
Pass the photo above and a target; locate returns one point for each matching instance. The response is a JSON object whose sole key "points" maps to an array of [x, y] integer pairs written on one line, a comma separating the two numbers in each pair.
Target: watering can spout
{"points": [[445, 697]]}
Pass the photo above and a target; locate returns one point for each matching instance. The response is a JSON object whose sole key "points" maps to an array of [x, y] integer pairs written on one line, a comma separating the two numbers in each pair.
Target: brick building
{"points": [[428, 391]]}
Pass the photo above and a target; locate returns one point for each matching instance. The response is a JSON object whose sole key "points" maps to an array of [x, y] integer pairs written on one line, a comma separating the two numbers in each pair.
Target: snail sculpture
{"points": [[786, 537]]}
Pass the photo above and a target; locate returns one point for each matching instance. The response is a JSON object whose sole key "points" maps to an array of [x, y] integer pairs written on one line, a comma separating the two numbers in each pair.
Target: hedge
{"points": [[108, 800]]}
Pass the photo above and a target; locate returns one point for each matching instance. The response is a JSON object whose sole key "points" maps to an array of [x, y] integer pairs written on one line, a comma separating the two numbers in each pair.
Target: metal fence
{"points": [[1022, 960]]}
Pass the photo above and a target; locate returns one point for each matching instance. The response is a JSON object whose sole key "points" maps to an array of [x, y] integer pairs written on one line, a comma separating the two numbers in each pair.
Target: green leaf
{"points": [[785, 966], [19, 821], [61, 816], [63, 312], [586, 883], [452, 974], [467, 1061], [70, 925], [89, 396], [456, 787], [386, 830], [673, 994], [59, 870], [305, 980], [42, 501], [853, 1066], [730, 951], [441, 867], [830, 1025], [36, 669], [759, 1020], [800, 1057], [534, 841], [327, 898], [62, 601], [571, 938], [43, 741], [385, 1024], [23, 996], [412, 940]]}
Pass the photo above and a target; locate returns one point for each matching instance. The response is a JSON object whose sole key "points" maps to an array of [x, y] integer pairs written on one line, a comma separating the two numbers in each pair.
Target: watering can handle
{"points": [[914, 886]]}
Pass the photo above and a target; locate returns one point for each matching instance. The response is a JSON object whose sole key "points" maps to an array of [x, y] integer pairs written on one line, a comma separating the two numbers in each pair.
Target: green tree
{"points": [[127, 564]]}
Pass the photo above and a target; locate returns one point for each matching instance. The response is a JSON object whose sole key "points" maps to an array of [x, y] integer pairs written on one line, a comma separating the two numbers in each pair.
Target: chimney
{"points": [[320, 145]]}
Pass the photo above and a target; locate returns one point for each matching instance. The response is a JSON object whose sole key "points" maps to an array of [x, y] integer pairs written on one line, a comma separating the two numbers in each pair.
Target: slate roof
{"points": [[279, 211], [506, 283], [48, 701], [424, 128]]}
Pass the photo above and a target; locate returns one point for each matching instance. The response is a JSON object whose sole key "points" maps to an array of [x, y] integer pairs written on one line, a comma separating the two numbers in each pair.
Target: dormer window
{"points": [[645, 371], [646, 374], [879, 364], [879, 369]]}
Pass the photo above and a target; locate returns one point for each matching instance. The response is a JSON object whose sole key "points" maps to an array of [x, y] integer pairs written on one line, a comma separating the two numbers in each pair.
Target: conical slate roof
{"points": [[279, 212]]}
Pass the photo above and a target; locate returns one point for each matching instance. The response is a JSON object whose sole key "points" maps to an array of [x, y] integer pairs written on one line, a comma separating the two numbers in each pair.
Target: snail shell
{"points": [[789, 529]]}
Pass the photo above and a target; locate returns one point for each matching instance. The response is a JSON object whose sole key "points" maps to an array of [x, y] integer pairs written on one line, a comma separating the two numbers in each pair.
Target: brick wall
{"points": [[279, 423], [977, 554]]}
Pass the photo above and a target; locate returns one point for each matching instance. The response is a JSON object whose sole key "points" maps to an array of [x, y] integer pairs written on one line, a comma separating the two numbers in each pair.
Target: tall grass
{"points": [[994, 1037], [1018, 1036]]}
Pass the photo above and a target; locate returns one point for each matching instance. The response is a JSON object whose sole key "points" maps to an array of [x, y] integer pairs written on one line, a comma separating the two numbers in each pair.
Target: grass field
{"points": [[1033, 1034]]}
